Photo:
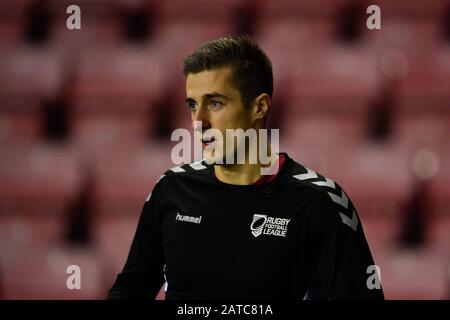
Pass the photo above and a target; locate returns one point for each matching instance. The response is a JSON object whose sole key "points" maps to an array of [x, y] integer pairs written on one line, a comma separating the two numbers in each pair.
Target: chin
{"points": [[213, 157]]}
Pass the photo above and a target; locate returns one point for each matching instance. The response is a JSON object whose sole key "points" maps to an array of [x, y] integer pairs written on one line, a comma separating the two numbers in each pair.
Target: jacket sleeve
{"points": [[142, 275], [343, 266]]}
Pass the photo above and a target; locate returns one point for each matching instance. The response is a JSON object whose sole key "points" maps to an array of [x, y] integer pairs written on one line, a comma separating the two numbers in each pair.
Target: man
{"points": [[224, 230]]}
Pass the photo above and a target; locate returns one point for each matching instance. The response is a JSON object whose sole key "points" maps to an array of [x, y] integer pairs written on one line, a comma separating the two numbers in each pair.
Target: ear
{"points": [[261, 106]]}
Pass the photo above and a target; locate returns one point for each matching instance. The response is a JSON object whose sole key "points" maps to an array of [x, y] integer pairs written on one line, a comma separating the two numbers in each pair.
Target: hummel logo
{"points": [[181, 217]]}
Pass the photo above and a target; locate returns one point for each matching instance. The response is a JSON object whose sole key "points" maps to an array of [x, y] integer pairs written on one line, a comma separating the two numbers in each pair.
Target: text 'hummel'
{"points": [[181, 217]]}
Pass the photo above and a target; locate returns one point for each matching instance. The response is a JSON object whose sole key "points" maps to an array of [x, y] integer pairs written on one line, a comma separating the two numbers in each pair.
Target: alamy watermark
{"points": [[234, 146], [74, 280], [374, 20], [73, 21], [374, 280]]}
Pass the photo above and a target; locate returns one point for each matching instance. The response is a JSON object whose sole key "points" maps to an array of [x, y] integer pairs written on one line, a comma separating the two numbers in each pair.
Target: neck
{"points": [[243, 174]]}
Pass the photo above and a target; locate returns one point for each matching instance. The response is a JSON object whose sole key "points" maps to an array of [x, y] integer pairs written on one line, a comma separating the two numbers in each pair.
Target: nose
{"points": [[200, 119]]}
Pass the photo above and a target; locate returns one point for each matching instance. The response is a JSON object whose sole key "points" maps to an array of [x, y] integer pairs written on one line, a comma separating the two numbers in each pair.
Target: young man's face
{"points": [[217, 104]]}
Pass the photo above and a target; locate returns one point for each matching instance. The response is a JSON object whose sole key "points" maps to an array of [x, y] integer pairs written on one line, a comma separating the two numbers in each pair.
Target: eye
{"points": [[216, 104], [191, 105]]}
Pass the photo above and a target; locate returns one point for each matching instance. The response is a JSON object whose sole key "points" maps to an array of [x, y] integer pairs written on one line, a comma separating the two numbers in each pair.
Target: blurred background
{"points": [[86, 117]]}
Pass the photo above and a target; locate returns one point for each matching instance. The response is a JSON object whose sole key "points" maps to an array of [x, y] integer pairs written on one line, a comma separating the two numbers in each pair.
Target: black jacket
{"points": [[296, 237]]}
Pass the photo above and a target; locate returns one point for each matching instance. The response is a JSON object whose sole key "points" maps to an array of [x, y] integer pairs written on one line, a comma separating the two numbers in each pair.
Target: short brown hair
{"points": [[251, 68]]}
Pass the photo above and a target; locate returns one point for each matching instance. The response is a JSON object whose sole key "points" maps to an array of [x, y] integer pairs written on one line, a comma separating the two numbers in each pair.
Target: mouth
{"points": [[206, 142]]}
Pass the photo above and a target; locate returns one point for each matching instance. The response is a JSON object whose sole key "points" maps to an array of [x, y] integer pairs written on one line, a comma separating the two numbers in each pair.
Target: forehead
{"points": [[216, 80]]}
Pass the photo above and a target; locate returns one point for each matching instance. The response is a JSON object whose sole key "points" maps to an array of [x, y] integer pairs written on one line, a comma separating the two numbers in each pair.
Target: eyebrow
{"points": [[208, 96]]}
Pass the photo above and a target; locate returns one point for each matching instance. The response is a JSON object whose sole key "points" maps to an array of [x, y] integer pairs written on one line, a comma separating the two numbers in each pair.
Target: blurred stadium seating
{"points": [[86, 117]]}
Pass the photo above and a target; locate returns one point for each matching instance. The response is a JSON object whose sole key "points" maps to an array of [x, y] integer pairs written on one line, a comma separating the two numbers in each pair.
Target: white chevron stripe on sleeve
{"points": [[310, 174], [327, 183], [343, 200], [352, 223], [197, 165], [177, 169]]}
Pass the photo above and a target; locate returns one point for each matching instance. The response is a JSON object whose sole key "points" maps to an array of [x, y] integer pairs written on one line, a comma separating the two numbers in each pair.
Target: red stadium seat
{"points": [[31, 72], [323, 9], [27, 77], [39, 230], [423, 129], [120, 72], [413, 275], [175, 39], [37, 180], [438, 235], [412, 9], [117, 92], [440, 184], [195, 9], [288, 41], [404, 34], [113, 237], [20, 121], [100, 24], [410, 274], [325, 129], [332, 80], [424, 88], [40, 273], [12, 22], [126, 174]]}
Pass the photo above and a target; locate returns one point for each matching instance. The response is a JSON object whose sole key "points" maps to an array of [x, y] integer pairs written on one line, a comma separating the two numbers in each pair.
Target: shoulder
{"points": [[327, 194], [194, 170], [314, 180]]}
